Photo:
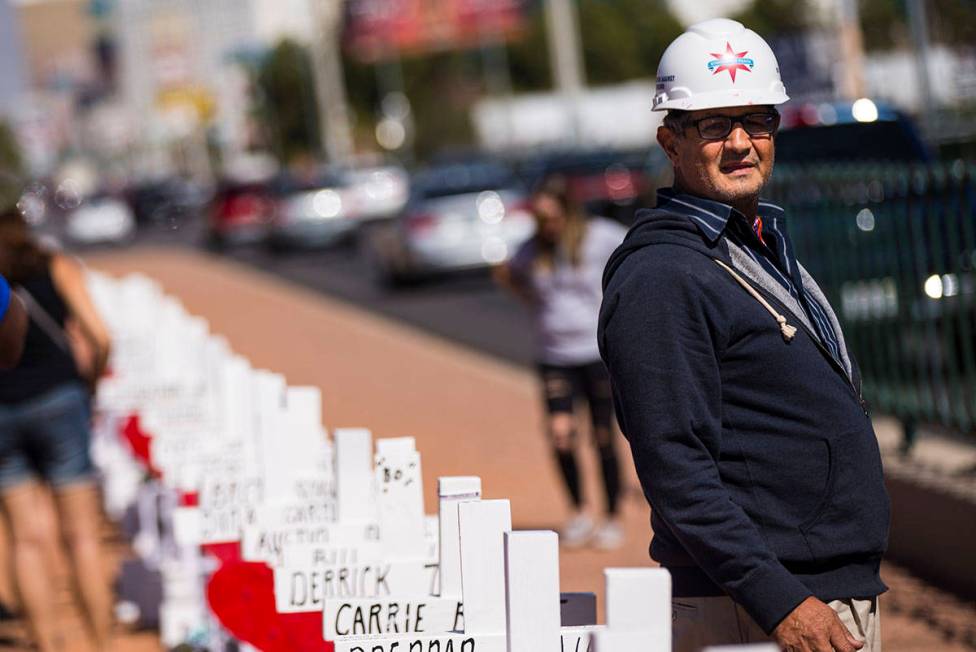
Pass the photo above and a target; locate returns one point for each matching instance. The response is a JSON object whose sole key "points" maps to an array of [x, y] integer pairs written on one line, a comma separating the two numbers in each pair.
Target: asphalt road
{"points": [[468, 309]]}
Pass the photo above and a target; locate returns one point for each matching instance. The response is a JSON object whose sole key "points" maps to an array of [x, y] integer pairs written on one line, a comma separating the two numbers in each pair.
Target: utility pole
{"points": [[565, 56], [330, 86], [918, 20], [852, 50]]}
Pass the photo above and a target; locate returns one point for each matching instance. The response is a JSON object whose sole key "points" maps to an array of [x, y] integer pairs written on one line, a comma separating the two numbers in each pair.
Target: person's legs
{"points": [[80, 514], [15, 472], [560, 389], [30, 542], [8, 591], [559, 393], [562, 431], [59, 435], [712, 621], [596, 386]]}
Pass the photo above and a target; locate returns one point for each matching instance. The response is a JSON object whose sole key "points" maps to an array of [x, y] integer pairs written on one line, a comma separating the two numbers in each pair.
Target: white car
{"points": [[101, 218], [461, 216], [377, 193]]}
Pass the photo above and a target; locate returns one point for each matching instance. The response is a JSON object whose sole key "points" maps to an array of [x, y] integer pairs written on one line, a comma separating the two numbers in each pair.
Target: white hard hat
{"points": [[718, 63]]}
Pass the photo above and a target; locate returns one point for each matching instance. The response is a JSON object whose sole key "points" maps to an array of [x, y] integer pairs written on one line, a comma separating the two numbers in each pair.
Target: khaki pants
{"points": [[700, 622]]}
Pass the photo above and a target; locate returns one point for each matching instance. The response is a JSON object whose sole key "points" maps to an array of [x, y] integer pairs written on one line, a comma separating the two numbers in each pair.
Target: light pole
{"points": [[852, 50], [330, 87], [566, 58], [918, 20]]}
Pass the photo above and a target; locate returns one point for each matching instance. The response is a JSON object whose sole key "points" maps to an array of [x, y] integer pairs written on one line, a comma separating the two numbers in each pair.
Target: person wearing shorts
{"points": [[44, 437], [557, 274]]}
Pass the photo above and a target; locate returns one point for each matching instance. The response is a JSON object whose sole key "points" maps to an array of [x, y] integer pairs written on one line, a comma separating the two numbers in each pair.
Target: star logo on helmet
{"points": [[731, 61]]}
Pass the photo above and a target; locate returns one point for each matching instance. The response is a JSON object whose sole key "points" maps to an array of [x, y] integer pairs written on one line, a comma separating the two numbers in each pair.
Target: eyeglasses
{"points": [[718, 127]]}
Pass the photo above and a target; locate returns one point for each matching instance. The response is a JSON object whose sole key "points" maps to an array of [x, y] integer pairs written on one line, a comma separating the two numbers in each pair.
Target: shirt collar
{"points": [[711, 216]]}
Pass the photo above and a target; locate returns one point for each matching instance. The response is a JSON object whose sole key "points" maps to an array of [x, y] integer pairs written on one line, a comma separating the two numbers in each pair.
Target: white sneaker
{"points": [[609, 536], [577, 531]]}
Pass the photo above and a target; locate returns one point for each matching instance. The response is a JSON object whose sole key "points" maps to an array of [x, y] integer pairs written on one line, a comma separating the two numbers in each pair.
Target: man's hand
{"points": [[814, 627]]}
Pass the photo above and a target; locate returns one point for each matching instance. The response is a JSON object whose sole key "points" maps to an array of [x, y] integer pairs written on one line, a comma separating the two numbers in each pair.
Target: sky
{"points": [[693, 11]]}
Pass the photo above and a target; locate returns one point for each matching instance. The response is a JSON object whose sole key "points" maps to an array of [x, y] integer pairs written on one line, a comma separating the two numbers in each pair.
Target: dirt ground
{"points": [[470, 414]]}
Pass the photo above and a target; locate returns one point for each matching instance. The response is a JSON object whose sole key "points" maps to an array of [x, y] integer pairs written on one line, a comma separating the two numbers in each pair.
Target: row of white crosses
{"points": [[499, 592], [343, 529], [169, 370]]}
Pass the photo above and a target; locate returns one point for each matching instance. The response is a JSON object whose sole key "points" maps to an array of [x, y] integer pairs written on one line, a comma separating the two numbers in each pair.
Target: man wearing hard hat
{"points": [[733, 382]]}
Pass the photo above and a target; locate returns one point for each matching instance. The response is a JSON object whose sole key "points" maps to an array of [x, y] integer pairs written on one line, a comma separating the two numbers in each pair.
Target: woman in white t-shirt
{"points": [[558, 275]]}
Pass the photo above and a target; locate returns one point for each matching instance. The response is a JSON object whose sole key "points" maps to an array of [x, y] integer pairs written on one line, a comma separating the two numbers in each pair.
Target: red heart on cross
{"points": [[241, 595], [139, 442]]}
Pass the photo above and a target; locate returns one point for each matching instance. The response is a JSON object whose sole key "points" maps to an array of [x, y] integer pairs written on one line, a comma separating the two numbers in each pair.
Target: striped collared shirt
{"points": [[774, 252]]}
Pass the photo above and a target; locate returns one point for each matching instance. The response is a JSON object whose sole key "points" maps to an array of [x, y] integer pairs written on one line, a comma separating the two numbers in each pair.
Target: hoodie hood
{"points": [[657, 226]]}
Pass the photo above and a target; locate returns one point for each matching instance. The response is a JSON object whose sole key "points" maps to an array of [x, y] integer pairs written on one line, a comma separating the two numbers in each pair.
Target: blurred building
{"points": [[53, 41], [281, 19], [12, 83], [617, 117], [57, 36], [181, 79]]}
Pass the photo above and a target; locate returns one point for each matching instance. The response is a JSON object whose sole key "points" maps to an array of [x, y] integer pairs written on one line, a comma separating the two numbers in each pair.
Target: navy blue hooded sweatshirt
{"points": [[756, 454]]}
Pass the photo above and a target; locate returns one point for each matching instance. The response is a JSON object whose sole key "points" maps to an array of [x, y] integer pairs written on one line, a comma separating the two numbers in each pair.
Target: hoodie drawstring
{"points": [[789, 332]]}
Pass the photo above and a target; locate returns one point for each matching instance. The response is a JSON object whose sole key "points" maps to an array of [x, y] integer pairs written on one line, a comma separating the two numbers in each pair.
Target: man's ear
{"points": [[668, 141]]}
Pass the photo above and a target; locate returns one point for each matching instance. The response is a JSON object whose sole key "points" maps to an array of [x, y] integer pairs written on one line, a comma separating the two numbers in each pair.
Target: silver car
{"points": [[460, 217], [310, 212]]}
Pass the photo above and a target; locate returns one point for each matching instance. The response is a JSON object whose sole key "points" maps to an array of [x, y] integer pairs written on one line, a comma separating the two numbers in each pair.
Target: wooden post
{"points": [[452, 491], [532, 591], [482, 527], [354, 473], [638, 611]]}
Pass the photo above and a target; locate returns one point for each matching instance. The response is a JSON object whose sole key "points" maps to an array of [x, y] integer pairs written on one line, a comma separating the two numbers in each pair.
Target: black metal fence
{"points": [[894, 247]]}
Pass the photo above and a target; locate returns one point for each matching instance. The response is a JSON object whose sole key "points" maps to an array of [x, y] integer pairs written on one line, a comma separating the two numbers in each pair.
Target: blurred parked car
{"points": [[311, 211], [240, 213], [610, 183], [100, 218], [460, 216], [863, 130], [327, 207], [168, 201], [377, 192]]}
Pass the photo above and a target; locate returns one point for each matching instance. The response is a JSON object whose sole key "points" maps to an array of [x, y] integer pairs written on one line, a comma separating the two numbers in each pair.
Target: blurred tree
{"points": [[624, 39], [286, 101], [776, 17], [528, 55], [11, 167], [442, 89], [885, 23], [953, 22]]}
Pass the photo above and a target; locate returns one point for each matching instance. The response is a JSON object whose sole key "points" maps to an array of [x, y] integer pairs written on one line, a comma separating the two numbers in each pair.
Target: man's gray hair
{"points": [[676, 120]]}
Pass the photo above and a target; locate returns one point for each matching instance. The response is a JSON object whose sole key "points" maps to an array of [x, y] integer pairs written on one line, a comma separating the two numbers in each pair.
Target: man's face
{"points": [[731, 169]]}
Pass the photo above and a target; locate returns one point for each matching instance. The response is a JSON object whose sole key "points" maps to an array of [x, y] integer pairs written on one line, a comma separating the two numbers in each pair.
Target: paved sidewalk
{"points": [[470, 413]]}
